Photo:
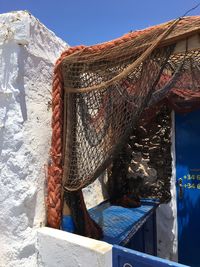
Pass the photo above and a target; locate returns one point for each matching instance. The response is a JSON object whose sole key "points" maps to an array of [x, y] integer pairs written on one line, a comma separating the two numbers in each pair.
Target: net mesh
{"points": [[104, 105], [101, 120], [100, 93]]}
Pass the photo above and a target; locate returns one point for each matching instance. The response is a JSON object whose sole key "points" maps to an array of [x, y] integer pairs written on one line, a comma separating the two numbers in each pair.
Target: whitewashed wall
{"points": [[167, 240], [28, 52], [62, 249]]}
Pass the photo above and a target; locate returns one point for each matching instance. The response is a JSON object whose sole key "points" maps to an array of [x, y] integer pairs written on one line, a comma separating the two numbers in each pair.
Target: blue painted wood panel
{"points": [[145, 239], [123, 257], [187, 141]]}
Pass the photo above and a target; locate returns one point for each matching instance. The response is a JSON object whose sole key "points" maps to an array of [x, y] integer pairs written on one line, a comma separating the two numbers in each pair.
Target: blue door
{"points": [[123, 257], [187, 143]]}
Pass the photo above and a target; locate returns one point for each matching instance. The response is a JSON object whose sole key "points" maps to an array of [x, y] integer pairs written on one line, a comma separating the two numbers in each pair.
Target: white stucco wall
{"points": [[28, 52], [167, 240], [62, 249], [96, 192]]}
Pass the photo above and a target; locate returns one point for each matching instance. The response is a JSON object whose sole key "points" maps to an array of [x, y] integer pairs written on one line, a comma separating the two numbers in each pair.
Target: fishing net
{"points": [[108, 93], [101, 92], [101, 120]]}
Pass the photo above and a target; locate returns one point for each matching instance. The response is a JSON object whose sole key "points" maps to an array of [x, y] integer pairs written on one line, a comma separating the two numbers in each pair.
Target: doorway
{"points": [[187, 145]]}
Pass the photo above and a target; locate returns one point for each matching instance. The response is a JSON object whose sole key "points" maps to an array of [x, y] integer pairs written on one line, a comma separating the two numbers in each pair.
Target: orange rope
{"points": [[54, 205]]}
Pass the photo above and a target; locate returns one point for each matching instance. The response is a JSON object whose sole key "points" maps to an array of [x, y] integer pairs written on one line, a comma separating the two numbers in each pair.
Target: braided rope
{"points": [[55, 169]]}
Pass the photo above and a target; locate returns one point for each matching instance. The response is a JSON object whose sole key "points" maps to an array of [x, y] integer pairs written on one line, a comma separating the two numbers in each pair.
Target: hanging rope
{"points": [[55, 169]]}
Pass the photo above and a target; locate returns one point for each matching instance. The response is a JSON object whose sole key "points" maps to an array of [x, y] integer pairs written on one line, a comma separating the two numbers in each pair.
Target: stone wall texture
{"points": [[150, 170]]}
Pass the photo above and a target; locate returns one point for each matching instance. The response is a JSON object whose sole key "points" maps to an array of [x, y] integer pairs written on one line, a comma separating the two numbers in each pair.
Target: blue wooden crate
{"points": [[120, 224]]}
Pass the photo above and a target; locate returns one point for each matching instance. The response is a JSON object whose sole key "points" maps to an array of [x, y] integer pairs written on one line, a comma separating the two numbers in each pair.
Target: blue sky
{"points": [[89, 22]]}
